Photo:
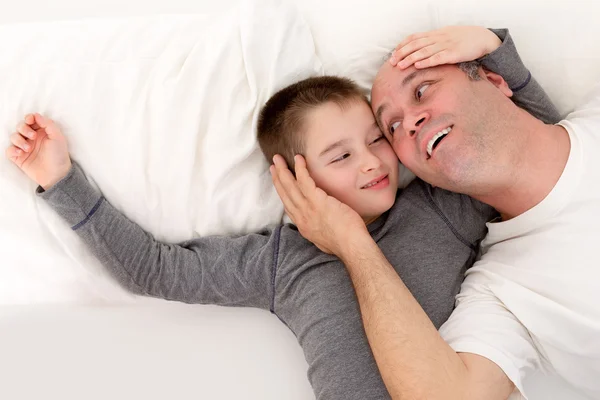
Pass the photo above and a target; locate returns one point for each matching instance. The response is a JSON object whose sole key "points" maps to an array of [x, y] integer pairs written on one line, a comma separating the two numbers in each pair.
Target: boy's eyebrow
{"points": [[333, 146]]}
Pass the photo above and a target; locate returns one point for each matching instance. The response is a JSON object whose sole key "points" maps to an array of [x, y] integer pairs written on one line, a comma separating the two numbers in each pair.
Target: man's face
{"points": [[350, 159], [443, 126]]}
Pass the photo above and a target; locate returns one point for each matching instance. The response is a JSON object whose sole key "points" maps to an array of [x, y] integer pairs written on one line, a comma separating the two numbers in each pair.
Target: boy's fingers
{"points": [[413, 46], [48, 125], [419, 55], [26, 130], [40, 120], [443, 57], [396, 57], [29, 119], [11, 153], [19, 141], [411, 38]]}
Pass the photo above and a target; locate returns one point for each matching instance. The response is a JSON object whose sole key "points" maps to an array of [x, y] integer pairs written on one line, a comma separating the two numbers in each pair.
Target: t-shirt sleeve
{"points": [[210, 270], [527, 92], [482, 325]]}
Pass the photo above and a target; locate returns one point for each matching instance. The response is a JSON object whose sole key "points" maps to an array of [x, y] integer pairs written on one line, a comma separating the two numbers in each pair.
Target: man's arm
{"points": [[414, 360]]}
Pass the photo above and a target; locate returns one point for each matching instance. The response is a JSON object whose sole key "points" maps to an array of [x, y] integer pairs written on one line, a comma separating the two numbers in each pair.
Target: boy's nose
{"points": [[371, 162]]}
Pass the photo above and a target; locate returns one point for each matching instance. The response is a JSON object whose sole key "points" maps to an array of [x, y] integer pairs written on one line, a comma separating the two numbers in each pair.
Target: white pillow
{"points": [[557, 39], [161, 113]]}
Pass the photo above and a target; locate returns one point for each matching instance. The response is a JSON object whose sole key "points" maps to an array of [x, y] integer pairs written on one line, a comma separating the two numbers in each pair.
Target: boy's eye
{"points": [[340, 158], [420, 91], [377, 139], [394, 126]]}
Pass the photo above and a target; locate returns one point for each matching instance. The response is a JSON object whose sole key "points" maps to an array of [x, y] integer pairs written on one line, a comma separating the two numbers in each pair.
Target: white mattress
{"points": [[146, 103]]}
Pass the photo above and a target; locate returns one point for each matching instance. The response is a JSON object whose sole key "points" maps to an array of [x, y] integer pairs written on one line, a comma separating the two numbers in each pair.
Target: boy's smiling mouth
{"points": [[378, 183]]}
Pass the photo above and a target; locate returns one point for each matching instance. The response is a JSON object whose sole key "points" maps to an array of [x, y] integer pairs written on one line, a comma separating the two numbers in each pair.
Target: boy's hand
{"points": [[448, 45], [40, 150], [330, 224]]}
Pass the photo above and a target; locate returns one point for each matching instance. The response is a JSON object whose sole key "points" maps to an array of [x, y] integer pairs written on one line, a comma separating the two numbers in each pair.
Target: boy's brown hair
{"points": [[282, 119]]}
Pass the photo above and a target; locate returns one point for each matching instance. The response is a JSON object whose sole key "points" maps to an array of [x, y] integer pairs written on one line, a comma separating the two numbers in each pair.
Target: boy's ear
{"points": [[498, 81]]}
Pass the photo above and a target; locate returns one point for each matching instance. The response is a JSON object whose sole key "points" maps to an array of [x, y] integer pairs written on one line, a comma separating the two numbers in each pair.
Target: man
{"points": [[533, 298]]}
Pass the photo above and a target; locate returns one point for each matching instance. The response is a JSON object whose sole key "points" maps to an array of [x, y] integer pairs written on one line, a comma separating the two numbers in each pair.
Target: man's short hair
{"points": [[471, 68], [282, 121]]}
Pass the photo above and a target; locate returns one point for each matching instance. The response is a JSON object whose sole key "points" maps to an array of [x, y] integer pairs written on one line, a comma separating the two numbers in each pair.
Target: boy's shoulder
{"points": [[295, 248], [422, 206]]}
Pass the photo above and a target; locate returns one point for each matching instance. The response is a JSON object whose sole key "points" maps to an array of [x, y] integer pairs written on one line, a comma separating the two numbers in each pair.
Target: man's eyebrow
{"points": [[405, 82], [380, 111], [407, 79], [333, 146]]}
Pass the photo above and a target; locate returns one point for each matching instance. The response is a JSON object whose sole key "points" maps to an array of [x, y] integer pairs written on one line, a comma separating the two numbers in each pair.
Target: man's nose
{"points": [[414, 124]]}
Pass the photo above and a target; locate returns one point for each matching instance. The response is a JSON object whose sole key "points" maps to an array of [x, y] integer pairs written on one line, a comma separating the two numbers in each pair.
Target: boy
{"points": [[429, 235]]}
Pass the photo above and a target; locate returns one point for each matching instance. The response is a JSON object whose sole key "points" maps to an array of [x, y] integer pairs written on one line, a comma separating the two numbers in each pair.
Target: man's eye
{"points": [[420, 90], [340, 158], [394, 126]]}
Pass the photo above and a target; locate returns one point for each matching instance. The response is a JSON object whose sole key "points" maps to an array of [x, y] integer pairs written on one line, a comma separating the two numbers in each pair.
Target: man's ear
{"points": [[498, 81]]}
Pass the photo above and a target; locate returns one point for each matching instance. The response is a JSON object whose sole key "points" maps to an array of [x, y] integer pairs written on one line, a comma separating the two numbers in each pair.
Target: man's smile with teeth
{"points": [[436, 139]]}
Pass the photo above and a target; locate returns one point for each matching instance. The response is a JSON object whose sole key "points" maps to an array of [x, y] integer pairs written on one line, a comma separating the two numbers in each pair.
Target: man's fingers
{"points": [[286, 186], [20, 142], [305, 181], [287, 203], [290, 214]]}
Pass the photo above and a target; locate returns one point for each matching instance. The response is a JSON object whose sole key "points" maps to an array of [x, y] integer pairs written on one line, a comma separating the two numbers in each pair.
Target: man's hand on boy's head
{"points": [[39, 149], [320, 218]]}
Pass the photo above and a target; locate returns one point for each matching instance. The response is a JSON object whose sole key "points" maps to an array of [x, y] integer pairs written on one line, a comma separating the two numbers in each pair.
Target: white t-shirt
{"points": [[533, 299]]}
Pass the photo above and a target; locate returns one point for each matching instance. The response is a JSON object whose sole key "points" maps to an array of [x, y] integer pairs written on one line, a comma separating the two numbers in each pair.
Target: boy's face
{"points": [[350, 159]]}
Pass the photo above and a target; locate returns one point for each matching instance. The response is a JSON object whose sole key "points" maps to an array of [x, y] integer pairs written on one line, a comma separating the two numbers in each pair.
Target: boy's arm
{"points": [[215, 270], [527, 92]]}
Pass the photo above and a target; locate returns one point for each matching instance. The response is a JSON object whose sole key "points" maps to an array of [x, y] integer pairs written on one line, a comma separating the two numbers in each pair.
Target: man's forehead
{"points": [[395, 77]]}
